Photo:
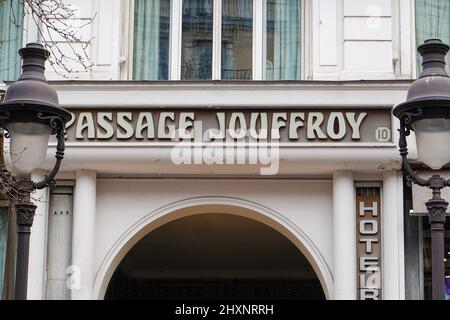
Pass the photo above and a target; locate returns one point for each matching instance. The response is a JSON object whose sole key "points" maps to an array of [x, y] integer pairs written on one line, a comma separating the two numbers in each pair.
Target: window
{"points": [[432, 21], [11, 34], [217, 39]]}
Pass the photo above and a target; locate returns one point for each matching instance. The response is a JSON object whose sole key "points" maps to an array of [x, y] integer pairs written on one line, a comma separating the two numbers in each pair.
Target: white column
{"points": [[344, 228], [392, 237], [83, 240], [38, 243]]}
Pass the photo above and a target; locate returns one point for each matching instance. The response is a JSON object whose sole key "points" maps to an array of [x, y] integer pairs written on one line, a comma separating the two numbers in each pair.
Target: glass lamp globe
{"points": [[28, 145], [433, 141]]}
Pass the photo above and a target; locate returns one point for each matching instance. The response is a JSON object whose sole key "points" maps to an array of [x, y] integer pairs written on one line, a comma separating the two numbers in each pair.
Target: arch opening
{"points": [[215, 255]]}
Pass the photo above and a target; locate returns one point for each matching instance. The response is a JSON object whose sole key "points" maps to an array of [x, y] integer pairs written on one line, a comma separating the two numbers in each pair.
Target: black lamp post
{"points": [[29, 115], [427, 113]]}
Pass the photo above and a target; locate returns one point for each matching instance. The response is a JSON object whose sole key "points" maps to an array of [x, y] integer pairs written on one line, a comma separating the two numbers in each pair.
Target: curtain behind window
{"points": [[432, 21], [151, 39], [283, 39], [11, 32], [3, 245]]}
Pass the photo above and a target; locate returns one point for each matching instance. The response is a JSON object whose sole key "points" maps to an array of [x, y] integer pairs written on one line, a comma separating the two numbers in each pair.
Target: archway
{"points": [[214, 255], [206, 205]]}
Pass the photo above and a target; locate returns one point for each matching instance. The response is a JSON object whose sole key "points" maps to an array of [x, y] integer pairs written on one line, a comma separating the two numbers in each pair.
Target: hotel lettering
{"points": [[368, 243]]}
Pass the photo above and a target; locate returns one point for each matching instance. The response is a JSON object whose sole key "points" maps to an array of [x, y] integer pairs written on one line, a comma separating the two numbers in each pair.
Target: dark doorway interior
{"points": [[215, 257]]}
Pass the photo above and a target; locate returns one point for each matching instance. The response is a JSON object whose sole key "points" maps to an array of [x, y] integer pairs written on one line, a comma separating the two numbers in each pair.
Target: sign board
{"points": [[291, 126], [421, 195], [368, 243]]}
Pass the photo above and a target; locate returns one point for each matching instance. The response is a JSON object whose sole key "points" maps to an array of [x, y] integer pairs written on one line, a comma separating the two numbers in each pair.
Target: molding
{"points": [[331, 145], [404, 83], [393, 84], [236, 94]]}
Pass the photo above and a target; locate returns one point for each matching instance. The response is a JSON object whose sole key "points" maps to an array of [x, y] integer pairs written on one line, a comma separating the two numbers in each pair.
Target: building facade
{"points": [[230, 149]]}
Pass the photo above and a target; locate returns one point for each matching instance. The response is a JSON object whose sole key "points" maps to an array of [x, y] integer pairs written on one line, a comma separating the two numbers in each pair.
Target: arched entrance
{"points": [[214, 256]]}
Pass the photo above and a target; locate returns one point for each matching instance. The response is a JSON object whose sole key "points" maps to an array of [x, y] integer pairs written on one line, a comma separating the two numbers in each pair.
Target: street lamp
{"points": [[427, 113], [29, 115]]}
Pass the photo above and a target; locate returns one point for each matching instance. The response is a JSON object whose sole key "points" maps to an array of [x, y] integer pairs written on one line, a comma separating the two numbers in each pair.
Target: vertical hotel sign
{"points": [[368, 243]]}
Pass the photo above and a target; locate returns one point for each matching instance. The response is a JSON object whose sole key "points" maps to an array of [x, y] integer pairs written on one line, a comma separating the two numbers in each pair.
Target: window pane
{"points": [[432, 21], [283, 34], [11, 20], [3, 245], [197, 35], [237, 25], [151, 39]]}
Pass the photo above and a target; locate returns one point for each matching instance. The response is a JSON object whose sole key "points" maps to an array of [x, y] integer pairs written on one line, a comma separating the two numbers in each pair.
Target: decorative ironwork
{"points": [[5, 115], [25, 214], [437, 211], [407, 117], [411, 175], [58, 126]]}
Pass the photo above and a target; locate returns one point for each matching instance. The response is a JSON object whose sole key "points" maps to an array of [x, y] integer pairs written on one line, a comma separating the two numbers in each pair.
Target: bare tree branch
{"points": [[60, 30]]}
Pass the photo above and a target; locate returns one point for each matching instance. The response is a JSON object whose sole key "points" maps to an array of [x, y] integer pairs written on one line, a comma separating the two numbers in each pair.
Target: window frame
{"points": [[258, 43], [414, 54]]}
